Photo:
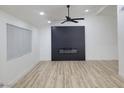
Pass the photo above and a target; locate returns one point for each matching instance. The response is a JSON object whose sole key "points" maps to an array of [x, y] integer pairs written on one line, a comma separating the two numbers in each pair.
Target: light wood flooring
{"points": [[69, 74]]}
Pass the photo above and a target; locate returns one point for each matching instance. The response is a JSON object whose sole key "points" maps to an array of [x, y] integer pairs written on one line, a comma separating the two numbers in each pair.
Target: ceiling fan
{"points": [[69, 19]]}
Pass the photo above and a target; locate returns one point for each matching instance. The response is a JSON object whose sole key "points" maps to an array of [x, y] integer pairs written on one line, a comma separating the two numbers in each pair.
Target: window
{"points": [[19, 41]]}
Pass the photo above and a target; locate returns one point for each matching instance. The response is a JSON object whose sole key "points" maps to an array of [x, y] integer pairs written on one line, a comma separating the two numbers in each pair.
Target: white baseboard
{"points": [[102, 60], [88, 60]]}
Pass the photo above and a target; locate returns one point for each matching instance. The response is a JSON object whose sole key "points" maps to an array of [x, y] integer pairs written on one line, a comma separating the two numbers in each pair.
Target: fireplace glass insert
{"points": [[68, 51]]}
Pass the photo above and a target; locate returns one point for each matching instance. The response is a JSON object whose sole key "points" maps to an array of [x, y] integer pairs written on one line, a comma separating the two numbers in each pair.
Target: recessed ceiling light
{"points": [[49, 22], [86, 10], [42, 13]]}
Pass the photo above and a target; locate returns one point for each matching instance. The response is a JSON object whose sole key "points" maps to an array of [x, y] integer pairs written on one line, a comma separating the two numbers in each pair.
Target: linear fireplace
{"points": [[67, 51]]}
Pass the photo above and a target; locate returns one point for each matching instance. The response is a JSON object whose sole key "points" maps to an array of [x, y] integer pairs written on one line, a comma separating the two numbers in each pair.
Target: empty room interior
{"points": [[61, 46]]}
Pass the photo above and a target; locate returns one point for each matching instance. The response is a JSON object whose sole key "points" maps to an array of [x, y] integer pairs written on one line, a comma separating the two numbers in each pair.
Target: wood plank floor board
{"points": [[73, 74]]}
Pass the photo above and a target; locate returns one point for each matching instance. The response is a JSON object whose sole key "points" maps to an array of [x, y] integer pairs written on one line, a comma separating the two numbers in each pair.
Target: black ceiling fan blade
{"points": [[63, 22], [74, 21], [77, 18]]}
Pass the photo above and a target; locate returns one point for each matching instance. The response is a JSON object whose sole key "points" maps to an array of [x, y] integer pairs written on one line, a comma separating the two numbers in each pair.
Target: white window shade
{"points": [[19, 41]]}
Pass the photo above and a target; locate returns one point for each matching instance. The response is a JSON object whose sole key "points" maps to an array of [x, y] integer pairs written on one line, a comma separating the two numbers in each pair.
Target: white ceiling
{"points": [[30, 13]]}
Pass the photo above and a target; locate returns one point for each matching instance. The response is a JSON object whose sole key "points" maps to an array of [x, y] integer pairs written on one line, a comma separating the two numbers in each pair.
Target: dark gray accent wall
{"points": [[68, 43]]}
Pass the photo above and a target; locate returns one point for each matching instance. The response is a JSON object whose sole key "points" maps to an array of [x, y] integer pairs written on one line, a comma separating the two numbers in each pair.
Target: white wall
{"points": [[121, 39], [15, 69], [101, 38], [45, 43]]}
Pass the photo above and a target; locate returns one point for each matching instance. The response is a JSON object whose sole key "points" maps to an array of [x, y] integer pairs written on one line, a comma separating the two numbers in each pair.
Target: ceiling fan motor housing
{"points": [[68, 6]]}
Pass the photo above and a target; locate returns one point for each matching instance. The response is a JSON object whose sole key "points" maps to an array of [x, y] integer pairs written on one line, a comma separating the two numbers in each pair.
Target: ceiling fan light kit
{"points": [[69, 19]]}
